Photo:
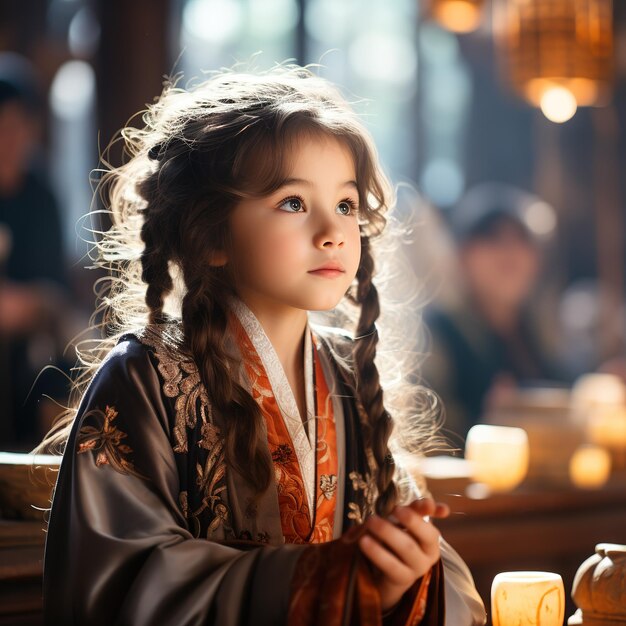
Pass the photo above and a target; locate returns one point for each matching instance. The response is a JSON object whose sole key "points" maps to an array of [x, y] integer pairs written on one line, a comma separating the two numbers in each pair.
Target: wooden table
{"points": [[551, 529], [21, 566]]}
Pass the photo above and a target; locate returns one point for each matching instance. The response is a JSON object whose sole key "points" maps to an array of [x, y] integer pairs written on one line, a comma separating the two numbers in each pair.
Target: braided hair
{"points": [[199, 152]]}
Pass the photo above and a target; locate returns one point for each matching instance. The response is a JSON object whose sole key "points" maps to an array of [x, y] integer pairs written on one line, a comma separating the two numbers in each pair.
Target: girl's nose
{"points": [[329, 235]]}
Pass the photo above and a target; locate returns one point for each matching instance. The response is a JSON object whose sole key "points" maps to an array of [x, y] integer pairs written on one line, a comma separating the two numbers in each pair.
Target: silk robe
{"points": [[150, 525]]}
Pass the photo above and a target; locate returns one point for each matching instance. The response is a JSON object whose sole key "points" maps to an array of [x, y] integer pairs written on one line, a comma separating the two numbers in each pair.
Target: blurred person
{"points": [[484, 344], [32, 270]]}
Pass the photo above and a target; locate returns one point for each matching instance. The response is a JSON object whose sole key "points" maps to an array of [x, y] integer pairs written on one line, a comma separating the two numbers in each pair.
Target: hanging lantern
{"points": [[459, 16], [558, 54]]}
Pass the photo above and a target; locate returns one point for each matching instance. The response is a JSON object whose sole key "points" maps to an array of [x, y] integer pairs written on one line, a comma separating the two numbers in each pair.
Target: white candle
{"points": [[606, 426], [498, 455], [593, 390], [527, 599], [590, 467]]}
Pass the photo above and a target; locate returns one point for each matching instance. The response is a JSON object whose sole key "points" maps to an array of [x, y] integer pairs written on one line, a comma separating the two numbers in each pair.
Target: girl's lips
{"points": [[327, 272]]}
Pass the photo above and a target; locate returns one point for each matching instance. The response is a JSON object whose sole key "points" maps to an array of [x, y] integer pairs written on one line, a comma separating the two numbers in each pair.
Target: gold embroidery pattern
{"points": [[366, 485], [181, 382], [210, 479], [106, 442], [184, 503], [328, 486]]}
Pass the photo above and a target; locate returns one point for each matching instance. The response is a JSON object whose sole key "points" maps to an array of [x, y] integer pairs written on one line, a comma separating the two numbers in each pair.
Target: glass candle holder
{"points": [[498, 455], [527, 599], [606, 426], [590, 467]]}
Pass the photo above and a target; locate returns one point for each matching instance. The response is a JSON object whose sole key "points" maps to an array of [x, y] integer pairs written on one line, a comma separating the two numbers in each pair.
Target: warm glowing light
{"points": [[558, 104], [562, 44], [606, 426], [459, 16], [498, 455], [527, 599], [592, 390], [590, 467]]}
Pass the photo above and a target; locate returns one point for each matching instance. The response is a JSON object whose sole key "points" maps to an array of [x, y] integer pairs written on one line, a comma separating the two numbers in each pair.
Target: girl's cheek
{"points": [[286, 244]]}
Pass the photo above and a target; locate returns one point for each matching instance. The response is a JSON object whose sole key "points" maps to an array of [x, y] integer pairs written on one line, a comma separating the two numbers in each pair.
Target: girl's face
{"points": [[300, 247]]}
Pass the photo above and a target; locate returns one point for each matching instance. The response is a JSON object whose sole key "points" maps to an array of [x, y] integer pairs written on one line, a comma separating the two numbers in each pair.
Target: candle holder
{"points": [[590, 467], [527, 599], [498, 456]]}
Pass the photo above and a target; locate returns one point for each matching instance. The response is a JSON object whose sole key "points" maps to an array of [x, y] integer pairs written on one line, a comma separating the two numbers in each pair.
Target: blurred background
{"points": [[508, 116]]}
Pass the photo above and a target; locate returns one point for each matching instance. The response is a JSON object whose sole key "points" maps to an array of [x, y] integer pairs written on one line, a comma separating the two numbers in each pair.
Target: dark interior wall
{"points": [[22, 30], [133, 57]]}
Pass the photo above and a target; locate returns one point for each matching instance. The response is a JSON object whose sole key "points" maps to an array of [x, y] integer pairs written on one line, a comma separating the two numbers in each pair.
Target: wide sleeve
{"points": [[452, 596], [446, 596], [463, 605], [118, 548]]}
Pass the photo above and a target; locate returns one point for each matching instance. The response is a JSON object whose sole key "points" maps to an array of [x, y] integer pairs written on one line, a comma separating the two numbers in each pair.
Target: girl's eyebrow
{"points": [[308, 183]]}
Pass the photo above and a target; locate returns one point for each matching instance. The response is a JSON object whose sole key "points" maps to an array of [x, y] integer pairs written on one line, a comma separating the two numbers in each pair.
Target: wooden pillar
{"points": [[133, 57]]}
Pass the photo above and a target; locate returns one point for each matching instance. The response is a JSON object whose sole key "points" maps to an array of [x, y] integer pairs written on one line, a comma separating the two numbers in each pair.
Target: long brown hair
{"points": [[199, 152]]}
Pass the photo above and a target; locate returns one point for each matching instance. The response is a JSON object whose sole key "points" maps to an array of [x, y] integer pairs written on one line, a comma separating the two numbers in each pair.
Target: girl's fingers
{"points": [[442, 511], [392, 568], [423, 532], [410, 545], [401, 543], [427, 507]]}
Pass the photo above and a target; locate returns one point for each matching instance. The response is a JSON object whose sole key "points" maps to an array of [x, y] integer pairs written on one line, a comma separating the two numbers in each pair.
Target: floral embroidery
{"points": [[106, 442], [206, 507], [210, 480], [184, 503], [283, 454], [366, 485], [181, 381], [328, 485], [210, 436]]}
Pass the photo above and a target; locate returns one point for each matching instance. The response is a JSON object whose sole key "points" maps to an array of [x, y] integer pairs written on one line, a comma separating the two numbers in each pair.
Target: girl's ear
{"points": [[218, 258]]}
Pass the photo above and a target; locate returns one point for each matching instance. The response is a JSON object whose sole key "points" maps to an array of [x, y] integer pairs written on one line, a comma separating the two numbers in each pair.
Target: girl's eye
{"points": [[292, 205], [346, 207]]}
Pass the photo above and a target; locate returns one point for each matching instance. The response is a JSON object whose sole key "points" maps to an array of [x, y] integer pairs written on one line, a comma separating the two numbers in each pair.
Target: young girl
{"points": [[229, 463]]}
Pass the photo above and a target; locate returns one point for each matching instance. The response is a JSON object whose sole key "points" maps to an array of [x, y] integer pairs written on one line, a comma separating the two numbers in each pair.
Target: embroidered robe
{"points": [[149, 525]]}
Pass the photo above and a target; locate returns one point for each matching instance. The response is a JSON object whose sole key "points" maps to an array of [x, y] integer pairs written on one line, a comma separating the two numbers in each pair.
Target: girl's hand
{"points": [[402, 552]]}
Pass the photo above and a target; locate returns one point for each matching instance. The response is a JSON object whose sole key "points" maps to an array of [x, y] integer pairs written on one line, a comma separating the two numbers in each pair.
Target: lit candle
{"points": [[590, 467], [527, 599], [498, 455], [606, 426], [593, 390]]}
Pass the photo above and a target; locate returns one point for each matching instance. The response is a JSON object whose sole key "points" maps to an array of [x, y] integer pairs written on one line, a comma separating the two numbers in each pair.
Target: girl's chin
{"points": [[326, 305]]}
